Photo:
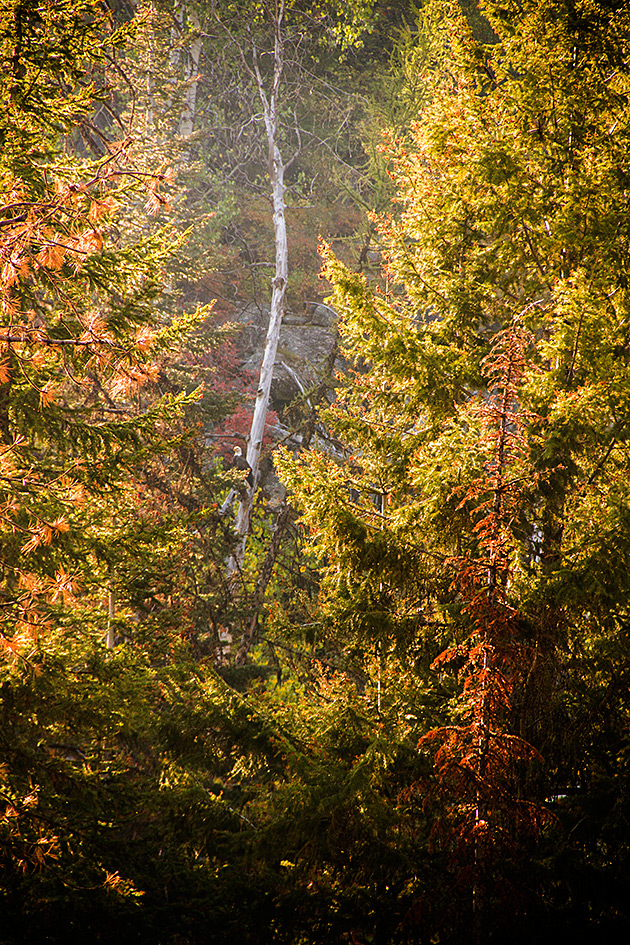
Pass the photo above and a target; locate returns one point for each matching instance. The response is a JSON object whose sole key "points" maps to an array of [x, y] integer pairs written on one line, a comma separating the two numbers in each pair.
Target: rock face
{"points": [[306, 344], [306, 351]]}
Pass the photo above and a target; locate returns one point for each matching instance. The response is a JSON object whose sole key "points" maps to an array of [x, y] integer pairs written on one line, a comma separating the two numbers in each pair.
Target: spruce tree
{"points": [[477, 521]]}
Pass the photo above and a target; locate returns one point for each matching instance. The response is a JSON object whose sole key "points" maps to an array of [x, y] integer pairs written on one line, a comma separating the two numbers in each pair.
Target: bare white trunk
{"points": [[149, 111], [176, 30], [279, 283], [192, 75]]}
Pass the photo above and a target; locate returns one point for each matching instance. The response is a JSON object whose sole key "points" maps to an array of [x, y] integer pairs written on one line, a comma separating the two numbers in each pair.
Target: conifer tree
{"points": [[108, 530], [512, 219]]}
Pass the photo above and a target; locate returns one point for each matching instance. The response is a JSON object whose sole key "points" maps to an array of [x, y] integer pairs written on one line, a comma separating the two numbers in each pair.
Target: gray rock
{"points": [[304, 347]]}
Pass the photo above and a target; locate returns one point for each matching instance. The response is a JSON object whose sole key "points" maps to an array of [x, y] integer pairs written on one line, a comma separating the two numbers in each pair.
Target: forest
{"points": [[314, 472]]}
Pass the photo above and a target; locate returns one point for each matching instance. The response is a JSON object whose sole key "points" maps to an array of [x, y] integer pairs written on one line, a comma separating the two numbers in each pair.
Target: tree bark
{"points": [[186, 123], [279, 283], [111, 613]]}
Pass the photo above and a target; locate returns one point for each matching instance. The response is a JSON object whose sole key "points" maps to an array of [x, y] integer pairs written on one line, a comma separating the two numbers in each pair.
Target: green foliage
{"points": [[443, 752], [114, 786], [111, 566], [512, 197]]}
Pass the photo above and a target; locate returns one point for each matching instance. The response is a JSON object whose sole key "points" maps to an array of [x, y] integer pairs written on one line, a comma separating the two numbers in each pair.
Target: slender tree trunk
{"points": [[151, 41], [192, 55], [111, 613], [186, 123], [176, 30], [279, 283], [5, 394]]}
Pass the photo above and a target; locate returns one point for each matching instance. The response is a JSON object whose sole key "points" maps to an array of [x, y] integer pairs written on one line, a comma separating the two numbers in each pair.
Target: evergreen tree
{"points": [[108, 529], [477, 522]]}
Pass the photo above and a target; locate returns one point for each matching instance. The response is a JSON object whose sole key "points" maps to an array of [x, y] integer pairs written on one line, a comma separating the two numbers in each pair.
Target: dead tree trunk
{"points": [[277, 167], [184, 19]]}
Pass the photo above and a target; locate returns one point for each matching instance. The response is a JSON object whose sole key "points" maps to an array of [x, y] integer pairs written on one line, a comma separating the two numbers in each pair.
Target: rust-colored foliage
{"points": [[479, 763]]}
